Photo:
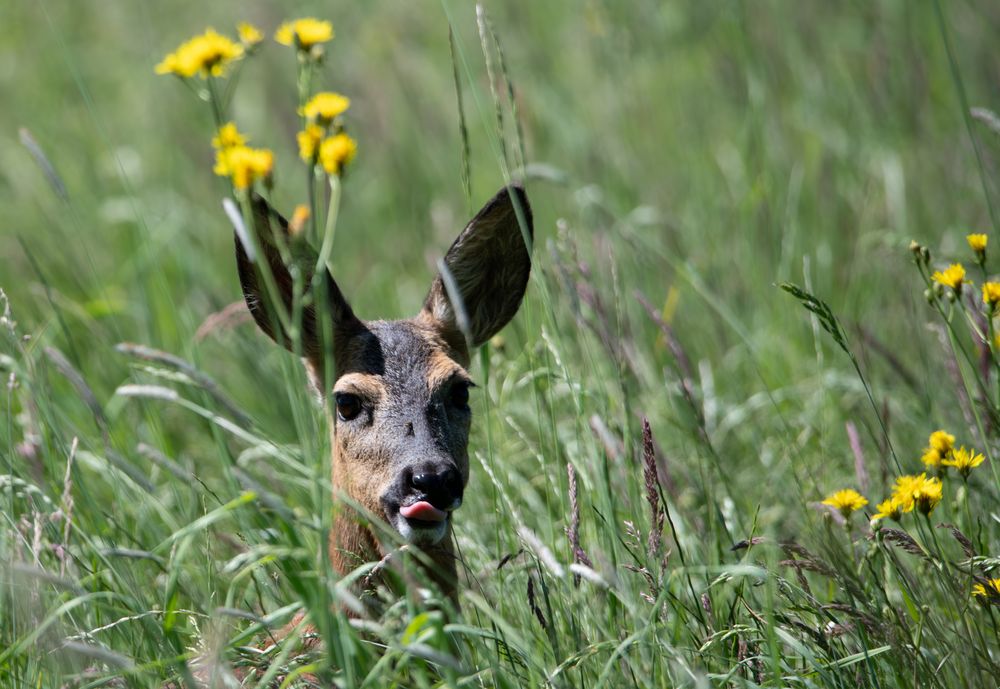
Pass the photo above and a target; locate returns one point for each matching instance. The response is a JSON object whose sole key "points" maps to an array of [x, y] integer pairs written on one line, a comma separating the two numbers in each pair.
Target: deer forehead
{"points": [[395, 360]]}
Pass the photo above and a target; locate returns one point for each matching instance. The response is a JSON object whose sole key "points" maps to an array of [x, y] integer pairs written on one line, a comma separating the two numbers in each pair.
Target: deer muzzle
{"points": [[420, 502]]}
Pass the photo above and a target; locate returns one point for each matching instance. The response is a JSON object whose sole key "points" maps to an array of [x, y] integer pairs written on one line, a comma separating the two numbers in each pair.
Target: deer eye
{"points": [[348, 405], [460, 395]]}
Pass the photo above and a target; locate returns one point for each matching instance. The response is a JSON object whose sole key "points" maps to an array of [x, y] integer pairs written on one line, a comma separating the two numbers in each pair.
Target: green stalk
{"points": [[213, 99], [329, 230], [303, 81]]}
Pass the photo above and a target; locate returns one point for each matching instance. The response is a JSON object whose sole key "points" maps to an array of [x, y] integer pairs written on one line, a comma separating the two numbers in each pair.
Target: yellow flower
{"points": [[940, 445], [298, 221], [942, 441], [902, 492], [953, 277], [250, 35], [228, 136], [304, 33], [990, 590], [917, 491], [323, 107], [991, 293], [336, 152], [891, 508], [977, 242], [244, 165], [846, 501], [931, 458], [309, 139], [209, 53], [964, 460], [927, 495]]}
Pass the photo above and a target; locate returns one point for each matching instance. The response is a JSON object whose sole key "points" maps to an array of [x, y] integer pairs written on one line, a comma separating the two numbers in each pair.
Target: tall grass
{"points": [[654, 433]]}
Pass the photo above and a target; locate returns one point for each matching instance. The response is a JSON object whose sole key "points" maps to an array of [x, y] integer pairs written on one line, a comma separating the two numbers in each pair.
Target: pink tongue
{"points": [[423, 510]]}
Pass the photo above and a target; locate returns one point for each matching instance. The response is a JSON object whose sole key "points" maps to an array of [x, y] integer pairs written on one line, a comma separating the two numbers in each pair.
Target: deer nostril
{"points": [[452, 481], [438, 485], [426, 481]]}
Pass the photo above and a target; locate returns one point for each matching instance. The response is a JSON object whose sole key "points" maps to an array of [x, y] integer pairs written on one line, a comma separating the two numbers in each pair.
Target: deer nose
{"points": [[442, 487]]}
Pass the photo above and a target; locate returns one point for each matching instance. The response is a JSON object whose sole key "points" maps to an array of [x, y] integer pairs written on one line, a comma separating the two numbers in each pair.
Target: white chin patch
{"points": [[420, 535]]}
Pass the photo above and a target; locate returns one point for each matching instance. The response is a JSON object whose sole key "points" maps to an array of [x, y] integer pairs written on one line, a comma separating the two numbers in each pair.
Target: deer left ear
{"points": [[266, 223], [485, 272]]}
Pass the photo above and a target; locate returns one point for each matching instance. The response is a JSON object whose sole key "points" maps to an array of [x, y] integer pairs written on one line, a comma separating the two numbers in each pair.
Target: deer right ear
{"points": [[264, 309], [485, 272]]}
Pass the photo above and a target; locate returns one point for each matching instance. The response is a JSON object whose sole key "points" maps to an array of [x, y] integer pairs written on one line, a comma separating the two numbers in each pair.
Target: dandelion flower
{"points": [[942, 441], [244, 165], [846, 501], [991, 294], [904, 488], [927, 495], [964, 460], [918, 492], [940, 445], [988, 590], [336, 152], [304, 33], [324, 106], [250, 35], [977, 242], [309, 139], [952, 277], [204, 55], [228, 136], [931, 458], [891, 508]]}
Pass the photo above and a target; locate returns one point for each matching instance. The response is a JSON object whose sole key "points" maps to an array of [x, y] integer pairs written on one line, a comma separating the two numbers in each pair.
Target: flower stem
{"points": [[213, 98], [329, 231]]}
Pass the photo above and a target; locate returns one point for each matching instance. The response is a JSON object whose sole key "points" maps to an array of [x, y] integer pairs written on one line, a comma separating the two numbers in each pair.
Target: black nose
{"points": [[440, 486]]}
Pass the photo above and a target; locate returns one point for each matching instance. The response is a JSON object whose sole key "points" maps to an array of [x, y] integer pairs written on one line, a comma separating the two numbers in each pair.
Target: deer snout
{"points": [[440, 486], [420, 502]]}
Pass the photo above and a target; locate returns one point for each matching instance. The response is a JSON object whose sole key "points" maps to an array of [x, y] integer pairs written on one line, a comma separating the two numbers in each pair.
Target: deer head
{"points": [[399, 399]]}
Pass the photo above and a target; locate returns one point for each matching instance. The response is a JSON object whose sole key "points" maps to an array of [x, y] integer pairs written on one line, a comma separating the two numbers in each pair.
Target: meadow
{"points": [[739, 212]]}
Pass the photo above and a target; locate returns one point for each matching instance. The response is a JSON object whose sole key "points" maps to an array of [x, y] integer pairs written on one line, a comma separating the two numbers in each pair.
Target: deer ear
{"points": [[264, 307], [485, 272]]}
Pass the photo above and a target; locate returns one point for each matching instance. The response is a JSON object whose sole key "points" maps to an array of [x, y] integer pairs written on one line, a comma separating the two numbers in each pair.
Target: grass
{"points": [[684, 160]]}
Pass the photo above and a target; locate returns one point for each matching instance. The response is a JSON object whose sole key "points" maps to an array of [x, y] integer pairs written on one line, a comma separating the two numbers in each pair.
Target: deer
{"points": [[398, 408]]}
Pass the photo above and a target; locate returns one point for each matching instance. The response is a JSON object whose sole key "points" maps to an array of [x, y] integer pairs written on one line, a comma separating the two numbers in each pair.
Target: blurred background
{"points": [[749, 142], [704, 150], [698, 153]]}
